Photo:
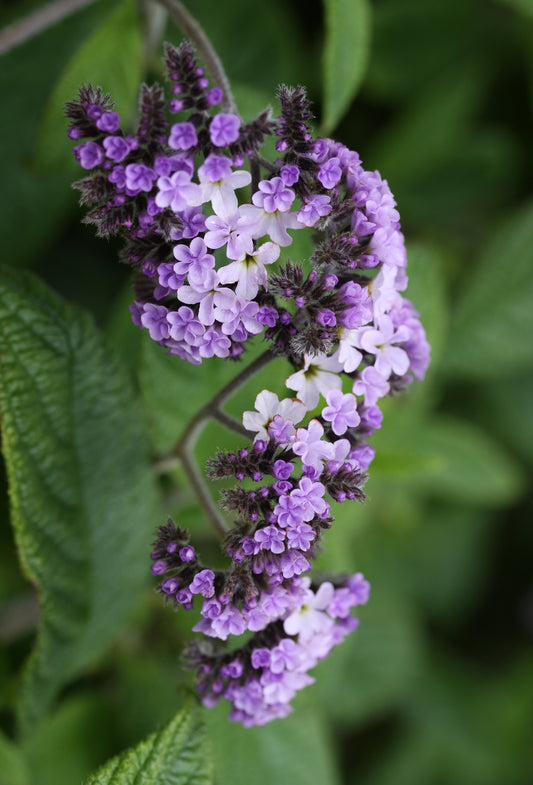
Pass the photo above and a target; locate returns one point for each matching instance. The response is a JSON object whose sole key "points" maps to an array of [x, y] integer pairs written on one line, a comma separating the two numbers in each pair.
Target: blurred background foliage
{"points": [[436, 688]]}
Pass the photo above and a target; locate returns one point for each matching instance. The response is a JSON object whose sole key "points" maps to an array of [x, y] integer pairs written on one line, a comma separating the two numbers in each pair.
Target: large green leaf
{"points": [[293, 750], [448, 458], [111, 58], [346, 53], [492, 329], [179, 754], [81, 487]]}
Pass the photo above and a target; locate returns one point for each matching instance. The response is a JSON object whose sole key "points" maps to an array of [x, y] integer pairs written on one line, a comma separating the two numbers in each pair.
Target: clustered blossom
{"points": [[208, 225]]}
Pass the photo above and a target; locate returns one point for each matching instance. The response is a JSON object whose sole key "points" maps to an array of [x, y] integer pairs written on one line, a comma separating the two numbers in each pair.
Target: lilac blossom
{"points": [[341, 411], [224, 129]]}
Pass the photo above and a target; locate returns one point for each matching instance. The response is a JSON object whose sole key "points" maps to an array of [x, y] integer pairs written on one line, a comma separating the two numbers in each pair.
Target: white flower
{"points": [[309, 618], [268, 406], [250, 272], [319, 375]]}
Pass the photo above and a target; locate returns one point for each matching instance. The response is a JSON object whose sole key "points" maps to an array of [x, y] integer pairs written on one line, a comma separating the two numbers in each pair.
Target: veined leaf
{"points": [[346, 53], [293, 750], [110, 58], [79, 478], [492, 329], [179, 754]]}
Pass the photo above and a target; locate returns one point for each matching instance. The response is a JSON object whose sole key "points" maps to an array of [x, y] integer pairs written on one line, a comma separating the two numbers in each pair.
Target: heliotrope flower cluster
{"points": [[207, 222]]}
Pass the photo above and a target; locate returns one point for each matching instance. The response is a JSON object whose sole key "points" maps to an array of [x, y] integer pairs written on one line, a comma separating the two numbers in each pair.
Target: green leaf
{"points": [[65, 749], [346, 53], [110, 58], [179, 754], [524, 7], [13, 769], [448, 458], [81, 486], [293, 750], [492, 328]]}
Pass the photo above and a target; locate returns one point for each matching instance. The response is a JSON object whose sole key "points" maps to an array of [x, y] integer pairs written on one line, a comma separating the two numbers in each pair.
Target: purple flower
{"points": [[176, 192], [89, 155], [154, 318], [224, 129], [359, 588], [371, 384], [273, 195], [108, 122], [215, 343], [271, 539], [300, 537], [341, 411], [203, 583], [282, 470], [193, 258], [308, 444], [330, 173], [185, 327], [116, 148], [182, 136], [290, 174], [315, 208], [139, 177], [310, 496]]}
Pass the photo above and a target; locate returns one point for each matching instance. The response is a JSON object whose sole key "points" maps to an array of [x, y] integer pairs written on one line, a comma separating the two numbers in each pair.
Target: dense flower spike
{"points": [[207, 225]]}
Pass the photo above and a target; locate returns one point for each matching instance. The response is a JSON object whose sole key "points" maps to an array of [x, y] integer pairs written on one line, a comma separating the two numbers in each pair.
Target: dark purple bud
{"points": [[214, 96], [172, 547], [243, 453], [330, 281], [94, 111], [300, 302], [170, 585], [326, 318], [260, 445], [187, 553], [158, 567], [257, 476], [175, 105]]}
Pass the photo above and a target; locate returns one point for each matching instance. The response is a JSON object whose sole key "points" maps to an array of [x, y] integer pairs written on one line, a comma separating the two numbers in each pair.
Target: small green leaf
{"points": [[448, 458], [13, 769], [346, 53], [110, 58], [179, 754], [81, 486], [293, 750], [492, 328]]}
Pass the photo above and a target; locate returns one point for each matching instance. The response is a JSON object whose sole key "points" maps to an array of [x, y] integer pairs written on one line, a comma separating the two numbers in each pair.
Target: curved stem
{"points": [[213, 406], [38, 22], [192, 29], [183, 450]]}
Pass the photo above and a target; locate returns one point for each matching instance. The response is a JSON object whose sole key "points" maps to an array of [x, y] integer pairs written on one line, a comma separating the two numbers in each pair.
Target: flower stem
{"points": [[183, 450], [192, 29], [212, 407], [37, 22]]}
